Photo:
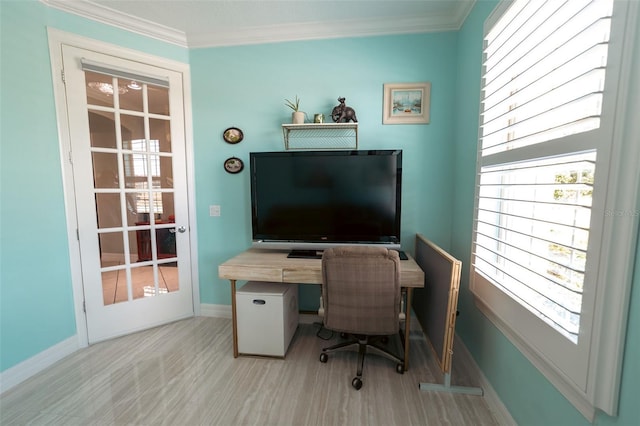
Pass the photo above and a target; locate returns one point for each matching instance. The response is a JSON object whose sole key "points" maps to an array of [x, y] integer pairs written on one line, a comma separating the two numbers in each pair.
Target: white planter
{"points": [[297, 117]]}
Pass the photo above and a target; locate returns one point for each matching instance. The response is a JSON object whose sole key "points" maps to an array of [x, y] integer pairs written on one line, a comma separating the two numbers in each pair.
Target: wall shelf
{"points": [[320, 136]]}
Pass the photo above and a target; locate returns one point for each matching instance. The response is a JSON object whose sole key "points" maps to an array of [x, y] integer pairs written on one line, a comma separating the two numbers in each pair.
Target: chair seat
{"points": [[401, 316]]}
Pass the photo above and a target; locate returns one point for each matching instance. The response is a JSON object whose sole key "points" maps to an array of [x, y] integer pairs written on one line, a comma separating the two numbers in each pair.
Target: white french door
{"points": [[127, 139]]}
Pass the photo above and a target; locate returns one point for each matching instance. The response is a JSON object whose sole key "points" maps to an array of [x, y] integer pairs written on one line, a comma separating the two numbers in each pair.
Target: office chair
{"points": [[361, 297]]}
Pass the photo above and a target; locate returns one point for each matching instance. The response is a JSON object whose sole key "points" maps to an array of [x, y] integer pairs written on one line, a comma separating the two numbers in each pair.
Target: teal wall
{"points": [[245, 87], [529, 397], [36, 305]]}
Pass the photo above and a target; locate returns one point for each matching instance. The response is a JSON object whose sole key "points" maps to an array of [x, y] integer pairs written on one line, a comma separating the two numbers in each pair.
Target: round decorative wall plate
{"points": [[233, 135], [233, 165]]}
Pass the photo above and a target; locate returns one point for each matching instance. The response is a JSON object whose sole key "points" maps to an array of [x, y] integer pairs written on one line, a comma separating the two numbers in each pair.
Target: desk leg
{"points": [[407, 328], [234, 318]]}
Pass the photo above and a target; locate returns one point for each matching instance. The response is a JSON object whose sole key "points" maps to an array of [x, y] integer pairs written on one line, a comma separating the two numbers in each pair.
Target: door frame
{"points": [[57, 38]]}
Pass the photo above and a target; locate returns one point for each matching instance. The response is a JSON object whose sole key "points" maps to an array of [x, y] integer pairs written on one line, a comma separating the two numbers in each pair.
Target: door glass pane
{"points": [[133, 246], [103, 131], [114, 286], [132, 217], [168, 276], [158, 100], [130, 95], [111, 249], [156, 204], [143, 244], [166, 172], [160, 130], [138, 166], [132, 132], [166, 242], [99, 89], [134, 170], [146, 204], [168, 212], [108, 210], [105, 169], [143, 281]]}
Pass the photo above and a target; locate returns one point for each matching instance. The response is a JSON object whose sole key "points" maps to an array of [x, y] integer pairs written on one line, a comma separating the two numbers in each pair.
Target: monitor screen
{"points": [[318, 199]]}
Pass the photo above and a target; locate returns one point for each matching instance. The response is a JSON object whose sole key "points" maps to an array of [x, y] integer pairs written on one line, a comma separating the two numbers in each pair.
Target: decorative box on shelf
{"points": [[320, 136]]}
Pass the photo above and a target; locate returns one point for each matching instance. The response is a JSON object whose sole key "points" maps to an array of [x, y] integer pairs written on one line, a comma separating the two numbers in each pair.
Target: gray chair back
{"points": [[361, 290]]}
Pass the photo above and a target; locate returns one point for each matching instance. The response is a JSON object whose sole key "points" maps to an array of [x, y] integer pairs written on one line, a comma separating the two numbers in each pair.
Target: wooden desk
{"points": [[274, 266]]}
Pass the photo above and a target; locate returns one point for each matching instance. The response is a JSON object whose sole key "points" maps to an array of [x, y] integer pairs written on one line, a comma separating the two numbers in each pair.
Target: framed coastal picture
{"points": [[406, 103]]}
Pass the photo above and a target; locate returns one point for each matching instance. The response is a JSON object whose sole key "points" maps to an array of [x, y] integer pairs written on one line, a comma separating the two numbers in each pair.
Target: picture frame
{"points": [[233, 165], [233, 135], [406, 103]]}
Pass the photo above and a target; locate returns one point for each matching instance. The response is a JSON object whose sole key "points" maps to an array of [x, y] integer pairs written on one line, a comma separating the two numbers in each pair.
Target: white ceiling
{"points": [[207, 23]]}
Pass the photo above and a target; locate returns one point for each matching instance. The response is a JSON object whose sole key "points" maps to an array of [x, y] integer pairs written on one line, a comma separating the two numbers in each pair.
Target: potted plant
{"points": [[297, 117]]}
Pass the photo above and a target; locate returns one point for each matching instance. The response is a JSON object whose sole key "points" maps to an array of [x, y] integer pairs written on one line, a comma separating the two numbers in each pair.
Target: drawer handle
{"points": [[259, 301]]}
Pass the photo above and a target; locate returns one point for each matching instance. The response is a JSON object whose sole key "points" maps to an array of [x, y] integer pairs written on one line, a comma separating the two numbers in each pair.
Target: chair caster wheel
{"points": [[400, 368], [356, 383], [324, 357]]}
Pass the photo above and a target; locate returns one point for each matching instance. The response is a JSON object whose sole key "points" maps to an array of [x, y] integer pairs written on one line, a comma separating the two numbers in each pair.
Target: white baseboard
{"points": [[496, 406], [216, 311], [37, 363]]}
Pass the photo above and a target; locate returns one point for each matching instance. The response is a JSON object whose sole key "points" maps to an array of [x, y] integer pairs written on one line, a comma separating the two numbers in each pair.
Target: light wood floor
{"points": [[184, 373]]}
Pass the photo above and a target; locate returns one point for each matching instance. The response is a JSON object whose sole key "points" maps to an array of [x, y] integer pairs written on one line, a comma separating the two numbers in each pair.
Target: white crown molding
{"points": [[462, 12], [267, 33], [322, 30], [105, 15]]}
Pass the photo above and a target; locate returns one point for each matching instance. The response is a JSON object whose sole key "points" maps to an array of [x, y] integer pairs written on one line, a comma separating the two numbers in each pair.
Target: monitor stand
{"points": [[305, 254]]}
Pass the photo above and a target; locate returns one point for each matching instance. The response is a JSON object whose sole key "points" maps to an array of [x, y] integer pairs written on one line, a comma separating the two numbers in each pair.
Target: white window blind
{"points": [[544, 79], [532, 234], [549, 267], [544, 73]]}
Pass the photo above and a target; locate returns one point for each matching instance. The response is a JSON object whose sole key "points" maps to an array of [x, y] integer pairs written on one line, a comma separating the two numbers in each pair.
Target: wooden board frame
{"points": [[436, 304], [436, 307]]}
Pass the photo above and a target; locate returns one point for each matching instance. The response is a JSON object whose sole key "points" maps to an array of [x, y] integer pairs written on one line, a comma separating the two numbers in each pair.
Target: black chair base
{"points": [[363, 342]]}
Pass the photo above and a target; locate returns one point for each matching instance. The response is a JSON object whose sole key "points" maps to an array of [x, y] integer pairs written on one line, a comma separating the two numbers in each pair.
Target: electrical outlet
{"points": [[214, 210]]}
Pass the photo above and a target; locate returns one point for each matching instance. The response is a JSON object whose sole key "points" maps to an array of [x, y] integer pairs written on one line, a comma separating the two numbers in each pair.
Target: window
{"points": [[548, 155]]}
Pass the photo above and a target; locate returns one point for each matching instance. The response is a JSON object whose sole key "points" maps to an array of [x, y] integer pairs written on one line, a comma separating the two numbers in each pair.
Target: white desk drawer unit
{"points": [[267, 316]]}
